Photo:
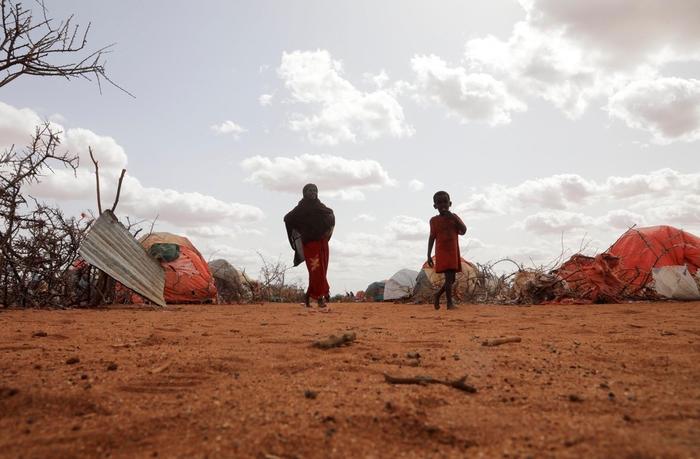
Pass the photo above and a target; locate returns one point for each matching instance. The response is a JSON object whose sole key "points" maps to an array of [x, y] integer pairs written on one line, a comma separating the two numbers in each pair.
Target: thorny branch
{"points": [[40, 46]]}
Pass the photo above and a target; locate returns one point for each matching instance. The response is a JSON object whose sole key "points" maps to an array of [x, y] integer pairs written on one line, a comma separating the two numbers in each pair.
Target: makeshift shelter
{"points": [[429, 282], [187, 276], [642, 249], [232, 285], [400, 285], [641, 260], [375, 291]]}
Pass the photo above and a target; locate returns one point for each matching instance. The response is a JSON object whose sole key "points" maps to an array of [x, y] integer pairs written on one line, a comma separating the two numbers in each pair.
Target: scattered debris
{"points": [[72, 360], [573, 441], [6, 392], [459, 384], [335, 341], [161, 368], [535, 286], [499, 341]]}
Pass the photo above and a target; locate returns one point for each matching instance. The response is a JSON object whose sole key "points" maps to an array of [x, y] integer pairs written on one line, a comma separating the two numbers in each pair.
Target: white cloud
{"points": [[334, 175], [658, 183], [678, 209], [542, 64], [416, 185], [345, 113], [379, 80], [555, 222], [229, 127], [621, 219], [553, 192], [265, 100], [623, 33], [669, 108], [17, 125], [183, 208], [569, 191], [364, 218], [571, 52], [186, 209], [217, 231], [469, 96], [408, 228], [478, 206]]}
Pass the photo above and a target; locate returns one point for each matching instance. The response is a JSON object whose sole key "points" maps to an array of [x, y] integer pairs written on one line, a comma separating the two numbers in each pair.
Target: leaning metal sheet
{"points": [[110, 247]]}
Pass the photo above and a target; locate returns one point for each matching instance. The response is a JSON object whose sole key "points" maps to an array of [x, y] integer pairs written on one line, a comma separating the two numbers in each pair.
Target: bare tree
{"points": [[39, 46], [38, 244]]}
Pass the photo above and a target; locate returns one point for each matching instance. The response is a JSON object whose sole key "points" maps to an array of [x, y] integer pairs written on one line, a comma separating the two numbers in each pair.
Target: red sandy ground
{"points": [[616, 381]]}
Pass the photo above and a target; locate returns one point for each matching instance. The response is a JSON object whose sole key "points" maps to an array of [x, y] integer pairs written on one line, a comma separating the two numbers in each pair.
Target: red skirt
{"points": [[316, 256]]}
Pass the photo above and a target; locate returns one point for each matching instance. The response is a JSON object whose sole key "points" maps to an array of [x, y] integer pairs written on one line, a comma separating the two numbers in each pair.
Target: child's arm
{"points": [[461, 227], [431, 241]]}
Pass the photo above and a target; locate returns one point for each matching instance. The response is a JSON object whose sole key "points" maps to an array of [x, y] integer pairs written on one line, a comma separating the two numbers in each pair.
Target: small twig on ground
{"points": [[459, 384], [161, 368], [499, 341], [335, 341]]}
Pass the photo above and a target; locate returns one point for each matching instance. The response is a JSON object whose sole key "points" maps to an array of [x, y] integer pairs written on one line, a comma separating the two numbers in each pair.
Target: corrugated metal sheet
{"points": [[110, 247]]}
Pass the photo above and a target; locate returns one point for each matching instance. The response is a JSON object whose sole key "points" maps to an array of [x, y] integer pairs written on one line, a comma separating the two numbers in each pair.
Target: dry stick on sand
{"points": [[335, 341], [459, 384], [499, 341]]}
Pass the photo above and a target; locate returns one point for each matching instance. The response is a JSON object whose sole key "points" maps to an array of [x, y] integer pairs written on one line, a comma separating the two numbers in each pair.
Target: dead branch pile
{"points": [[38, 244], [271, 285]]}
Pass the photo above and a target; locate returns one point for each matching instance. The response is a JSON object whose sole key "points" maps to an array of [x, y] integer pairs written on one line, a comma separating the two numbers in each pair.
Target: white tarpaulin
{"points": [[675, 282], [400, 285]]}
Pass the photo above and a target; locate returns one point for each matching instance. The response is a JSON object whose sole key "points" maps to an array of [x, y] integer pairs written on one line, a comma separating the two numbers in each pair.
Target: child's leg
{"points": [[438, 294], [449, 282], [436, 298]]}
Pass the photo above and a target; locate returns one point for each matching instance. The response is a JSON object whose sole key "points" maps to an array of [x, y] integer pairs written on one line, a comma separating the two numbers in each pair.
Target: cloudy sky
{"points": [[546, 121]]}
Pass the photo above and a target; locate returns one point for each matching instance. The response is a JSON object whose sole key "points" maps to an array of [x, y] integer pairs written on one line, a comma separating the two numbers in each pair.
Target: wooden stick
{"points": [[499, 341], [97, 179], [119, 189], [459, 384]]}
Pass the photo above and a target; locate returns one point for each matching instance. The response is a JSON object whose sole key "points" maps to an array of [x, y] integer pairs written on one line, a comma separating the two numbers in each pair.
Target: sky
{"points": [[555, 125]]}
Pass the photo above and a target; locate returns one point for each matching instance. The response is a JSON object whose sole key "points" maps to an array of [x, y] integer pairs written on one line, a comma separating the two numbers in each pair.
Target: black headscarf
{"points": [[310, 219]]}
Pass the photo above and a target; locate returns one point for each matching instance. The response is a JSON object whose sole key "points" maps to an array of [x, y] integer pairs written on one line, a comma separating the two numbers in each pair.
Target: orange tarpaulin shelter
{"points": [[187, 276], [641, 249], [625, 269]]}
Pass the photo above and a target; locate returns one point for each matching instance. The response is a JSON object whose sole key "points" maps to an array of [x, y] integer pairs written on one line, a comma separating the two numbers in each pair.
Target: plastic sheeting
{"points": [[400, 285], [187, 278], [429, 282], [625, 270], [641, 249], [675, 282], [375, 291]]}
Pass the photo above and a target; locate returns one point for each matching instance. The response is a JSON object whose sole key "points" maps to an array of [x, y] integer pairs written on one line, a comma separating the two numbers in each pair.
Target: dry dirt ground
{"points": [[618, 381]]}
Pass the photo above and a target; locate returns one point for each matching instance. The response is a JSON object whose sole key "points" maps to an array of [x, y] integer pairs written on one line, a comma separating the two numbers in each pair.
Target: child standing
{"points": [[445, 228]]}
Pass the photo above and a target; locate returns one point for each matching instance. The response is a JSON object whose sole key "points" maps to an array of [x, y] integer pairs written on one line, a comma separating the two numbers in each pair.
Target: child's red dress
{"points": [[447, 256]]}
